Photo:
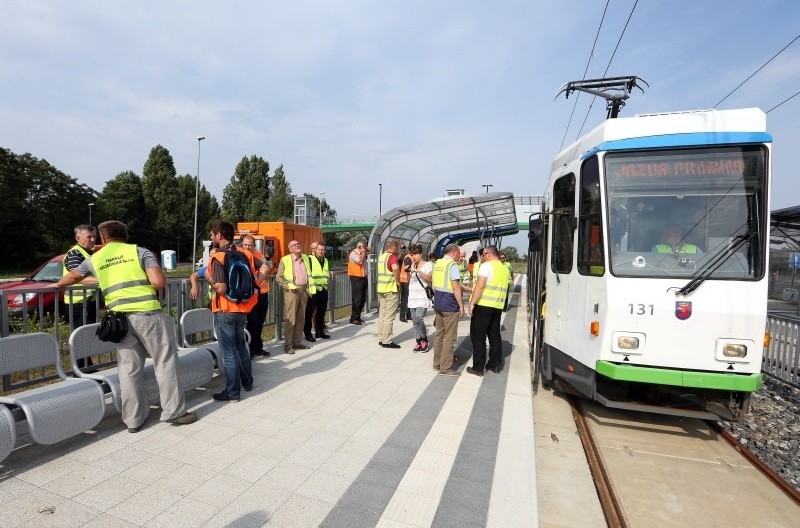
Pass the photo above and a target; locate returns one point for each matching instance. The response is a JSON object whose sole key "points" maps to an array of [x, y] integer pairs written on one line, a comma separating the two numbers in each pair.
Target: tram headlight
{"points": [[732, 350], [735, 350], [628, 342]]}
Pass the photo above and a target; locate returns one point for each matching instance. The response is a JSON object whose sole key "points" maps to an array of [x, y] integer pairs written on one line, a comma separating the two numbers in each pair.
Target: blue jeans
{"points": [[235, 355]]}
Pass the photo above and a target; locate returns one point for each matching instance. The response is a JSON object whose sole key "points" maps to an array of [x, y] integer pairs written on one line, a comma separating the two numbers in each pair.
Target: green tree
{"points": [[246, 197], [162, 197], [207, 210], [281, 202], [14, 207], [511, 253], [56, 204], [123, 199]]}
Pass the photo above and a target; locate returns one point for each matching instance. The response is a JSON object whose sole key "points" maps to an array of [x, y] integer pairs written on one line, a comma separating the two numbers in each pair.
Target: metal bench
{"points": [[197, 330], [54, 412], [8, 432], [195, 365]]}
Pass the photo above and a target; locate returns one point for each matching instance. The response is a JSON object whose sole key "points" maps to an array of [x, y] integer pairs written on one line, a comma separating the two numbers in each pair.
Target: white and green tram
{"points": [[647, 269]]}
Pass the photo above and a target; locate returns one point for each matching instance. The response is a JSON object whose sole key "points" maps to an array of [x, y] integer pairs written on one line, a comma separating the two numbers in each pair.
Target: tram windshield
{"points": [[687, 213]]}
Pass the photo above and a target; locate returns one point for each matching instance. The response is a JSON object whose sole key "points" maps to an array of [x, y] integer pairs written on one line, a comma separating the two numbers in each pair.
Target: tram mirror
{"points": [[535, 235]]}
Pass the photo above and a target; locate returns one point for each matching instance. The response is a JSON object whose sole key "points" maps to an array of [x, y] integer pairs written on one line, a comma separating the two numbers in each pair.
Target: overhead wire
{"points": [[609, 63], [784, 101], [758, 70], [591, 55]]}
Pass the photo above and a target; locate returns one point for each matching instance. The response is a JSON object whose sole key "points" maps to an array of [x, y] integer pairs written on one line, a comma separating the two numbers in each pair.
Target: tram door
{"points": [[561, 264]]}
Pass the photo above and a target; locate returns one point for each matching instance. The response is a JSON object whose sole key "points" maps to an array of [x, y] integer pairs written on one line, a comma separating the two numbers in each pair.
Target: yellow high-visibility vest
{"points": [[494, 293], [122, 280], [387, 283]]}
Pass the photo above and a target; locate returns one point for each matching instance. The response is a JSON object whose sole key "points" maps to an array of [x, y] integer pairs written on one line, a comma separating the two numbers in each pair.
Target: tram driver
{"points": [[672, 241]]}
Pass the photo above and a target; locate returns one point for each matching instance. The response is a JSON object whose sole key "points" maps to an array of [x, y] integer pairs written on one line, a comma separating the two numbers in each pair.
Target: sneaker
{"points": [[423, 347], [186, 419], [135, 429], [247, 389], [300, 346], [418, 347], [471, 370], [224, 397], [449, 372], [390, 345], [356, 321], [288, 351]]}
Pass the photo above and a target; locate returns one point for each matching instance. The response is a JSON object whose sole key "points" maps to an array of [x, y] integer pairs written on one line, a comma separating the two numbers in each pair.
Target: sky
{"points": [[418, 96]]}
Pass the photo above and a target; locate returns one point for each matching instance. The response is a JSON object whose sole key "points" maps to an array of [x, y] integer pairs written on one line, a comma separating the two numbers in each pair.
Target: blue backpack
{"points": [[241, 283]]}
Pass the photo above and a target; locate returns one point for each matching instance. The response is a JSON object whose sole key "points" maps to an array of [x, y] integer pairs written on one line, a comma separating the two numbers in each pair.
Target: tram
{"points": [[647, 264]]}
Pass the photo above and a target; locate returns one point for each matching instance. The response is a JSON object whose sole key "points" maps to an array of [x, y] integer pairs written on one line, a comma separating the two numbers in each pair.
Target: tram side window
{"points": [[564, 209], [591, 250]]}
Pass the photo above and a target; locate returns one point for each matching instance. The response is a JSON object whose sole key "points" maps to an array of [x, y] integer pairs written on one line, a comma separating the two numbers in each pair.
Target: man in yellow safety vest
{"points": [[388, 293], [129, 277], [486, 308]]}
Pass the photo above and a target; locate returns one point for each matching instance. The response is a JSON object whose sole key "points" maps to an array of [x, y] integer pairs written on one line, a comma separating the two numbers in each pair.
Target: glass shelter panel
{"points": [[687, 212]]}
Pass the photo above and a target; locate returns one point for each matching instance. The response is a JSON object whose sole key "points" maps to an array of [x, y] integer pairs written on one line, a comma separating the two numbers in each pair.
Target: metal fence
{"points": [[782, 357], [55, 318]]}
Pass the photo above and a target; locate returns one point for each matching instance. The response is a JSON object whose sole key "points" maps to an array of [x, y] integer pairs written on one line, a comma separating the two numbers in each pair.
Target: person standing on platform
{"points": [[448, 305], [199, 275], [463, 270], [357, 272], [257, 316], [78, 300], [388, 293], [230, 317], [405, 264], [294, 276], [130, 277], [418, 301], [317, 303], [486, 308]]}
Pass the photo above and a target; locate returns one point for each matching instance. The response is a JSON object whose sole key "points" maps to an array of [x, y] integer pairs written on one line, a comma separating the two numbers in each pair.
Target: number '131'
{"points": [[640, 309]]}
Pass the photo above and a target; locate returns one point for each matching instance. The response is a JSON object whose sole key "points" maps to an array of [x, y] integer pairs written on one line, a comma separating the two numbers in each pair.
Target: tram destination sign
{"points": [[677, 167]]}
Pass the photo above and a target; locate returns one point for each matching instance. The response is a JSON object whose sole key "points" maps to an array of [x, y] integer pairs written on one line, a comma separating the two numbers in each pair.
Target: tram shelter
{"points": [[785, 231], [452, 219]]}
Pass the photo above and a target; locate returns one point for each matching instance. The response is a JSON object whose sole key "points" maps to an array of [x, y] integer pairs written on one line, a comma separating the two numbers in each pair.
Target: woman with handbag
{"points": [[419, 294]]}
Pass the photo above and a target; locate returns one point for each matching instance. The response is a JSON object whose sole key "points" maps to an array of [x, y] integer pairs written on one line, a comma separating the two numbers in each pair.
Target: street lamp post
{"points": [[487, 188], [90, 213], [196, 197], [321, 204], [380, 197]]}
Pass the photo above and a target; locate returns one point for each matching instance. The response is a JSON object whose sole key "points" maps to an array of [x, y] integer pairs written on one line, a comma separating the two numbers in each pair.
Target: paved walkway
{"points": [[346, 434]]}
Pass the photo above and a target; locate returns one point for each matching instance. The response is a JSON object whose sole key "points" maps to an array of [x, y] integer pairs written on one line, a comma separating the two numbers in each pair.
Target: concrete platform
{"points": [[346, 434]]}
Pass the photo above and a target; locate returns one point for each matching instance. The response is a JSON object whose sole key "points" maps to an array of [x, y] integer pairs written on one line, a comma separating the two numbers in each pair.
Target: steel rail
{"points": [[612, 509], [770, 473]]}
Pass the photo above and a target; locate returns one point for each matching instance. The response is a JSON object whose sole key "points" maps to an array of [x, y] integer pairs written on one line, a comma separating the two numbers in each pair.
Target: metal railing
{"points": [[176, 299], [782, 357]]}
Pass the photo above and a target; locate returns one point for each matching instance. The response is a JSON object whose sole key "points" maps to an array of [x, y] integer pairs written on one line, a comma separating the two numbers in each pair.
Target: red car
{"points": [[25, 295]]}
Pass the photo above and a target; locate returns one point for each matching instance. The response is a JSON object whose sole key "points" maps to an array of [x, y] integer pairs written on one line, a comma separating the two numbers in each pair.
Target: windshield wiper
{"points": [[714, 264]]}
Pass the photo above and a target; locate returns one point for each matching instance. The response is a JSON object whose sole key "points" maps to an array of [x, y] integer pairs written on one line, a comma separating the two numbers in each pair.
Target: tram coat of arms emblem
{"points": [[683, 310]]}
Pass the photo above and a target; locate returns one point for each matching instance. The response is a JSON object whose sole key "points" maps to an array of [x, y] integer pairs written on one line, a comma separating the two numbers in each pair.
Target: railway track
{"points": [[656, 470]]}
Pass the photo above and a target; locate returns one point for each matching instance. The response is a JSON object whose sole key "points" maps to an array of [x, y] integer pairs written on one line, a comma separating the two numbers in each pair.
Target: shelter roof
{"points": [[437, 222], [785, 232]]}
